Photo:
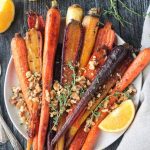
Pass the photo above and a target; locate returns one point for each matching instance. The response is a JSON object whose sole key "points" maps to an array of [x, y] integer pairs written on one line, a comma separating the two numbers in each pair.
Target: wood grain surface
{"points": [[130, 33]]}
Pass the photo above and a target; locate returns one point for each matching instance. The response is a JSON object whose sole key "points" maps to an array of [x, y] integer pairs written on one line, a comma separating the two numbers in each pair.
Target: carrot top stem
{"points": [[54, 4], [94, 12]]}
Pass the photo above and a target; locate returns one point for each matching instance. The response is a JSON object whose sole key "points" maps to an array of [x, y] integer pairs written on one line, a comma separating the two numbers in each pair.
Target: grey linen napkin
{"points": [[137, 137]]}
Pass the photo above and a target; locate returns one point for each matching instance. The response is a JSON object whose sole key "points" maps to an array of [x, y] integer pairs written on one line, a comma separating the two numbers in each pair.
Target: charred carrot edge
{"points": [[90, 25], [108, 85], [116, 56], [141, 61], [106, 37], [79, 139], [51, 39], [36, 21]]}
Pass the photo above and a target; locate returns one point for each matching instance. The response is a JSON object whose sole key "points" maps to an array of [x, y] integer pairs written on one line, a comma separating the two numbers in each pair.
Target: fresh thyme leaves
{"points": [[74, 72], [113, 11], [63, 97]]}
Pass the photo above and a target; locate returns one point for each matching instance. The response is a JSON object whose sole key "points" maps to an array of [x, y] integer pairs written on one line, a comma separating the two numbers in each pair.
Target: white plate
{"points": [[11, 80]]}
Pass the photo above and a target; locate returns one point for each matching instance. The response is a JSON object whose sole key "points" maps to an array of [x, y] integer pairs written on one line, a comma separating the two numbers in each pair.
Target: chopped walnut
{"points": [[57, 86], [131, 89], [47, 96], [104, 110], [52, 94], [88, 83], [28, 74], [114, 106], [98, 95], [90, 104], [75, 96], [54, 128], [106, 103]]}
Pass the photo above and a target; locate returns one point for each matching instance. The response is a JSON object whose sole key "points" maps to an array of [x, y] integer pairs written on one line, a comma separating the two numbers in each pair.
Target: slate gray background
{"points": [[130, 33]]}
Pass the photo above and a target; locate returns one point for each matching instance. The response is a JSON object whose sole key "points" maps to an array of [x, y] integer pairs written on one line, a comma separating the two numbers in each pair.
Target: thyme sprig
{"points": [[113, 11], [64, 97]]}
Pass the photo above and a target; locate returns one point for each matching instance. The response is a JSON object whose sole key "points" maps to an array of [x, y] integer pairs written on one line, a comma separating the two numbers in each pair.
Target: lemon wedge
{"points": [[7, 13], [120, 118]]}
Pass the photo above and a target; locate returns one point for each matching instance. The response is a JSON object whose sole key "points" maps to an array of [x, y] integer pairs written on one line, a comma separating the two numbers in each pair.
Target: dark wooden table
{"points": [[130, 33]]}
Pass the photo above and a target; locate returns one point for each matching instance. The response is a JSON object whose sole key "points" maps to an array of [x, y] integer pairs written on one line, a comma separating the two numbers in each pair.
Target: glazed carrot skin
{"points": [[72, 45], [100, 57], [106, 37], [19, 52], [36, 21], [90, 25], [70, 54], [93, 135], [79, 139], [51, 39], [141, 61], [35, 139]]}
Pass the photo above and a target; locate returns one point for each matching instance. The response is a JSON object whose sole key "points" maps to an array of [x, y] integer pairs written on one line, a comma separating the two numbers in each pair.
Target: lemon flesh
{"points": [[7, 13], [120, 118]]}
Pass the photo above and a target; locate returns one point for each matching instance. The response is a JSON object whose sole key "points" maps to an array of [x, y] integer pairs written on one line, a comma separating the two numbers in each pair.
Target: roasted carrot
{"points": [[70, 54], [51, 39], [90, 25], [92, 135], [116, 56], [35, 139], [96, 61], [108, 85], [29, 144], [141, 61], [19, 52], [74, 12], [106, 37], [36, 21], [34, 44], [79, 139], [71, 49]]}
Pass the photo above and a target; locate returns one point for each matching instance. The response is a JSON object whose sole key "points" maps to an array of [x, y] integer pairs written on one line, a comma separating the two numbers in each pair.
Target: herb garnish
{"points": [[113, 11]]}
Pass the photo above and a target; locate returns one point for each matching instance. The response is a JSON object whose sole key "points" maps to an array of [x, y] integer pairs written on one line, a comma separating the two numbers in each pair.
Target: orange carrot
{"points": [[141, 61], [51, 39], [106, 37], [35, 140], [93, 135], [79, 139], [19, 52], [96, 61], [90, 25]]}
